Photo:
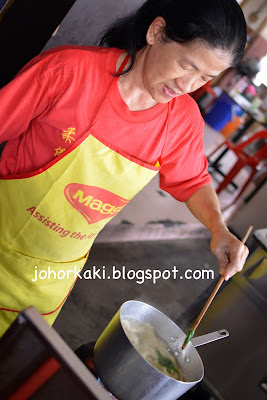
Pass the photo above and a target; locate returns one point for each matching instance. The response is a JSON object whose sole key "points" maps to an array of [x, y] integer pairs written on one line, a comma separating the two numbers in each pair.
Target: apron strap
{"points": [[123, 64], [115, 79]]}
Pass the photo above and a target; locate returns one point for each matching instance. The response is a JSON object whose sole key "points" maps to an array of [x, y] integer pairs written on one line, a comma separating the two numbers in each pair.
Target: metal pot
{"points": [[127, 375]]}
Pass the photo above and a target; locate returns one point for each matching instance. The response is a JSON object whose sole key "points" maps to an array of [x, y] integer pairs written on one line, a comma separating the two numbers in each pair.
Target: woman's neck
{"points": [[131, 86]]}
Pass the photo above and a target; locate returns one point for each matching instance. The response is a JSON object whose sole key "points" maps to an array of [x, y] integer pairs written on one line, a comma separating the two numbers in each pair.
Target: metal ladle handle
{"points": [[209, 337]]}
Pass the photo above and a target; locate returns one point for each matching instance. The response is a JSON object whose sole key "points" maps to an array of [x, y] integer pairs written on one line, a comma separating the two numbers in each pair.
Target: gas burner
{"points": [[85, 353], [111, 395]]}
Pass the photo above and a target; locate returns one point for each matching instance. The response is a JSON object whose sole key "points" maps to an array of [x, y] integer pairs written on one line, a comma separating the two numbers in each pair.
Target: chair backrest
{"points": [[202, 90], [259, 154], [256, 136]]}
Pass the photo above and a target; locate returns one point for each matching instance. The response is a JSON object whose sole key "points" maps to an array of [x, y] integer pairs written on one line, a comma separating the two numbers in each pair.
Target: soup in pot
{"points": [[152, 348]]}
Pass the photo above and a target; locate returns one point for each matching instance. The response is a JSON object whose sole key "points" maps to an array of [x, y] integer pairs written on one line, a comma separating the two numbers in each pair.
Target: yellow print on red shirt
{"points": [[59, 151], [66, 135]]}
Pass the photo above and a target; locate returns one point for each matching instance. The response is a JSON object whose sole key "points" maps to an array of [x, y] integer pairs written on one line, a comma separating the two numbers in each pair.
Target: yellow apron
{"points": [[50, 218]]}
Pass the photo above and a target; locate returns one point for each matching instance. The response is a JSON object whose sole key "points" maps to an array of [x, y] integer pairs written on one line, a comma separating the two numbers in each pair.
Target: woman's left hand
{"points": [[230, 252]]}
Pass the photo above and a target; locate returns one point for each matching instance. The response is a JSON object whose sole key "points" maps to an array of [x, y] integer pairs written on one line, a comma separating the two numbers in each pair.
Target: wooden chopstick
{"points": [[215, 290]]}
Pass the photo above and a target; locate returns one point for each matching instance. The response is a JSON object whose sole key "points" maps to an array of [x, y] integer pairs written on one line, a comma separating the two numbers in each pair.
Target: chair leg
{"points": [[215, 150], [245, 185], [228, 178]]}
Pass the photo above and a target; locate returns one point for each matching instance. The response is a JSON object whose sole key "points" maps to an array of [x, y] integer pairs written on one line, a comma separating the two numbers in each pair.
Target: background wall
{"points": [[251, 6], [87, 18]]}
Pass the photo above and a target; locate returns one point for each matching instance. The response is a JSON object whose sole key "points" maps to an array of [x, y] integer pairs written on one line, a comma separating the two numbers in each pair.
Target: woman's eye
{"points": [[184, 69], [203, 79]]}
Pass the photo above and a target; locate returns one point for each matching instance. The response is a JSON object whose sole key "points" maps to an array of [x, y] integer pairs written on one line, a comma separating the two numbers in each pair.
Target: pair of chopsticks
{"points": [[215, 290]]}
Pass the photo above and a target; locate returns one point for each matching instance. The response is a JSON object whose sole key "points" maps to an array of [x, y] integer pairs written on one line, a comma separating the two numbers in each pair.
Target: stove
{"points": [[198, 392]]}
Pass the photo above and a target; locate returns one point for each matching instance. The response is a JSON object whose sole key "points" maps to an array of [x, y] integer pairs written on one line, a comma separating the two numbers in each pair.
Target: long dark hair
{"points": [[217, 23]]}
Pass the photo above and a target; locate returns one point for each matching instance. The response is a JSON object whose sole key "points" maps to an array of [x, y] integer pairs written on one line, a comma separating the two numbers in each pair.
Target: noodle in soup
{"points": [[152, 348]]}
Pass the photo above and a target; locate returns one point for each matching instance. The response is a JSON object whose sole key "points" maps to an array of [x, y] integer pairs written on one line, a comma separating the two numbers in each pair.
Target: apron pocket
{"points": [[27, 281]]}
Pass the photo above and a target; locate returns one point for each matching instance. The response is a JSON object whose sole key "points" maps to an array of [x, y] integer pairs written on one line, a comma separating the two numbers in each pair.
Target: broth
{"points": [[152, 348]]}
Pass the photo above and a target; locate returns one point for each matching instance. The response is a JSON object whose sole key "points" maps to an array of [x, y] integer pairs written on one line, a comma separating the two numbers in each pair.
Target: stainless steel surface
{"points": [[261, 236], [209, 337], [242, 358], [127, 374]]}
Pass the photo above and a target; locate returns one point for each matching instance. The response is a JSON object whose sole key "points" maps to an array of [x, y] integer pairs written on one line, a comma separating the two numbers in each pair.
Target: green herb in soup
{"points": [[167, 363], [151, 347]]}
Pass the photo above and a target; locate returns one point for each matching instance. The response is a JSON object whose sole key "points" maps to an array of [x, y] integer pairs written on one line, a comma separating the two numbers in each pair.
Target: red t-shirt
{"points": [[53, 100]]}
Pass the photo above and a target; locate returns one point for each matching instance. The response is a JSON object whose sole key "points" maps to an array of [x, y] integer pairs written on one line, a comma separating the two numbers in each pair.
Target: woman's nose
{"points": [[186, 84]]}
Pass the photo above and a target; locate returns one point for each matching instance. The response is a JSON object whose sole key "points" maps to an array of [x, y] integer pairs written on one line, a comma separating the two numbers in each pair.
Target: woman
{"points": [[88, 127]]}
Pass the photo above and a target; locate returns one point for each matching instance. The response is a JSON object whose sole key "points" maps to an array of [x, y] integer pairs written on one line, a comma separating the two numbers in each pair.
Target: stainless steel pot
{"points": [[127, 375]]}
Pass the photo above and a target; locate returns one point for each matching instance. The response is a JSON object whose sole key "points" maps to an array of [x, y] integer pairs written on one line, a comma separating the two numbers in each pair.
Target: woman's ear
{"points": [[155, 30]]}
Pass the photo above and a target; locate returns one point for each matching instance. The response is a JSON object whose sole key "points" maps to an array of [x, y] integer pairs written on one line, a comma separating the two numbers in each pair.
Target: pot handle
{"points": [[209, 337]]}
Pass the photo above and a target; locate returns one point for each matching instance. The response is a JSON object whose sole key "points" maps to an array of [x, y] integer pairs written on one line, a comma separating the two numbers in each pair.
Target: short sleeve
{"points": [[183, 163], [23, 99]]}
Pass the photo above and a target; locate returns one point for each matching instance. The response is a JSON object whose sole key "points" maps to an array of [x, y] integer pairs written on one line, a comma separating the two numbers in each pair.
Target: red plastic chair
{"points": [[197, 95], [243, 160], [207, 88]]}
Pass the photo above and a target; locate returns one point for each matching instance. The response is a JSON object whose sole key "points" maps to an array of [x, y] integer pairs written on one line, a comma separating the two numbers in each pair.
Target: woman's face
{"points": [[173, 69]]}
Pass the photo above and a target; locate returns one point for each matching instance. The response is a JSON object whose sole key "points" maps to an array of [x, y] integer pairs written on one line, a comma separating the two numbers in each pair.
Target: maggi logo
{"points": [[96, 204], [92, 202]]}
